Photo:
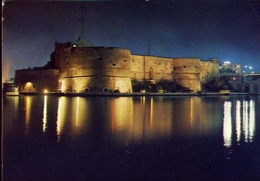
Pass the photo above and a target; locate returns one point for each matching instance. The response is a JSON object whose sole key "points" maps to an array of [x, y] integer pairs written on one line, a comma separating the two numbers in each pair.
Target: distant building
{"points": [[249, 83], [227, 68]]}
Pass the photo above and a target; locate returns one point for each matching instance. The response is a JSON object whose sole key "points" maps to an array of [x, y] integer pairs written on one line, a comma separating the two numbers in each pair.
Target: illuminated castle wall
{"points": [[79, 67]]}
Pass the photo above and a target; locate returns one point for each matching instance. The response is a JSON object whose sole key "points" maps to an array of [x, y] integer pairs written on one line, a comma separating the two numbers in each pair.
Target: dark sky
{"points": [[225, 29]]}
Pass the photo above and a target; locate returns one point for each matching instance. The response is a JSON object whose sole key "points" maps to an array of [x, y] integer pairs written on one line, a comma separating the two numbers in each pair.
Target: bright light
{"points": [[44, 125], [45, 91], [250, 67], [29, 84], [246, 66], [227, 62], [227, 125]]}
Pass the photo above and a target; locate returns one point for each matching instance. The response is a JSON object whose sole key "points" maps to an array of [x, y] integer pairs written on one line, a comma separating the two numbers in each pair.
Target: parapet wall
{"points": [[151, 68], [29, 80]]}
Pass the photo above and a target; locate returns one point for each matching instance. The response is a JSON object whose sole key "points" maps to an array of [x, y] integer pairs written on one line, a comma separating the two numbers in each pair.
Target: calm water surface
{"points": [[131, 138]]}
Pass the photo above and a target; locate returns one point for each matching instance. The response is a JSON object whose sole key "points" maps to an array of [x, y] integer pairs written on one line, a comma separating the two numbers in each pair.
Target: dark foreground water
{"points": [[131, 138]]}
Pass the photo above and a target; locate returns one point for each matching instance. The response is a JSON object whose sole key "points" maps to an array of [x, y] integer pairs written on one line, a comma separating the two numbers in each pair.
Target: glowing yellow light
{"points": [[45, 91], [28, 108], [28, 84], [44, 125]]}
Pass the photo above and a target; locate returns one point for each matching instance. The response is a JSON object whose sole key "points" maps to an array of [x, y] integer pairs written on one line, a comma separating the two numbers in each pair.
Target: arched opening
{"points": [[29, 87], [246, 87], [105, 89]]}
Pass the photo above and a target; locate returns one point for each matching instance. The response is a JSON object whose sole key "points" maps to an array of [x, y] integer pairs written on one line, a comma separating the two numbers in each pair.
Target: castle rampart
{"points": [[107, 69], [29, 80], [151, 68]]}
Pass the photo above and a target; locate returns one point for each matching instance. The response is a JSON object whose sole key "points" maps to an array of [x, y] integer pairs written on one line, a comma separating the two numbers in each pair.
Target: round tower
{"points": [[187, 73], [95, 69]]}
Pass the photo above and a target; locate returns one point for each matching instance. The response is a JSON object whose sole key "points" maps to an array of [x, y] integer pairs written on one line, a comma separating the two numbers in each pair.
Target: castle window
{"points": [[133, 60], [113, 64], [124, 60], [99, 58], [184, 66]]}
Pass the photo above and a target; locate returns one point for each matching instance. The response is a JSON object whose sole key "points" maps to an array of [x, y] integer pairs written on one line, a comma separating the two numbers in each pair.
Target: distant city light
{"points": [[227, 62], [249, 69]]}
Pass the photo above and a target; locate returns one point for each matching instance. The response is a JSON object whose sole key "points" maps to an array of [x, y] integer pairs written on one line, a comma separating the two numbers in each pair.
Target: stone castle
{"points": [[79, 67]]}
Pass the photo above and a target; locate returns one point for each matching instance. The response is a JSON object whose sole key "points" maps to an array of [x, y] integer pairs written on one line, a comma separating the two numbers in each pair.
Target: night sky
{"points": [[229, 30]]}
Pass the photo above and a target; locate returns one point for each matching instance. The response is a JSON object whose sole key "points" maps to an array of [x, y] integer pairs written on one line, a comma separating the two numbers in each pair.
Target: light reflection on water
{"points": [[72, 116], [28, 109], [227, 126], [247, 124], [44, 119], [145, 118], [142, 134]]}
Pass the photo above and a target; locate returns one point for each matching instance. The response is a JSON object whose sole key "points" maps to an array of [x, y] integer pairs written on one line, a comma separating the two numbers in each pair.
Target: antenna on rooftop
{"points": [[83, 8]]}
